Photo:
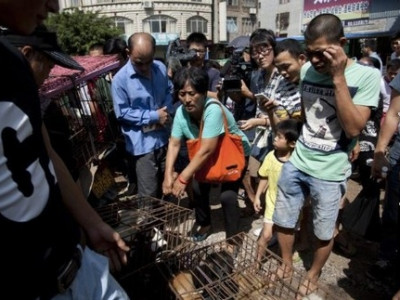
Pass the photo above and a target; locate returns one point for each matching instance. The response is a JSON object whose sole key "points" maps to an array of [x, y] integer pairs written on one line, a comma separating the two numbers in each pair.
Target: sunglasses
{"points": [[316, 53]]}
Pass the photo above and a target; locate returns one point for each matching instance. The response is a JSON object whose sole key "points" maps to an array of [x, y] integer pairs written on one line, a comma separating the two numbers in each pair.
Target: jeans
{"points": [[389, 242]]}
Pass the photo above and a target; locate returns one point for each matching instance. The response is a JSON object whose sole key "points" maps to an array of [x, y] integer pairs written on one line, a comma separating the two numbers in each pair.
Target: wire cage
{"points": [[84, 103], [230, 270], [154, 229]]}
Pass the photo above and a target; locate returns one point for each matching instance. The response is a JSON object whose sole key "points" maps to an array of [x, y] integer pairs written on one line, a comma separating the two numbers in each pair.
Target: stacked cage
{"points": [[84, 102], [155, 230], [230, 270]]}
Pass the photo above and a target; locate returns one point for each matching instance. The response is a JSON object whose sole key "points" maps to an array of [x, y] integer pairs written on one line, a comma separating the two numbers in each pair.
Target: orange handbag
{"points": [[226, 163]]}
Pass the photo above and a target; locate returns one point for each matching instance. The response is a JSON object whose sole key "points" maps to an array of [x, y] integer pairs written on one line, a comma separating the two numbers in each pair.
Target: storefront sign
{"points": [[346, 10]]}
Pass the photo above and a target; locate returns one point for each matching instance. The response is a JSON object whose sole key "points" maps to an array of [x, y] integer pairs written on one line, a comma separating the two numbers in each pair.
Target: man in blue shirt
{"points": [[143, 103]]}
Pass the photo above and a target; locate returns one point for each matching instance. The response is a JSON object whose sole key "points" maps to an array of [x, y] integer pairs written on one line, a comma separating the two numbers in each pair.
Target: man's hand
{"points": [[108, 242], [246, 91], [355, 152], [163, 115], [379, 162], [337, 59]]}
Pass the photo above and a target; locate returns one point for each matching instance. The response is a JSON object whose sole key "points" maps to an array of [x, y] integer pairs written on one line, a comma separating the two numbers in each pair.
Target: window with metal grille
{"points": [[196, 24]]}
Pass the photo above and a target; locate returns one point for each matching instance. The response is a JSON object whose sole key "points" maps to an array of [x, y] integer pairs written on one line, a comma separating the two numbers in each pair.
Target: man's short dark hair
{"points": [[290, 129], [198, 38], [324, 25], [290, 45], [393, 63], [197, 77], [370, 43], [396, 36]]}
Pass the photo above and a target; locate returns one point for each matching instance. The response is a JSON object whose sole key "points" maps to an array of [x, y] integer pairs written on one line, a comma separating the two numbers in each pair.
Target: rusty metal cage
{"points": [[230, 270], [154, 229]]}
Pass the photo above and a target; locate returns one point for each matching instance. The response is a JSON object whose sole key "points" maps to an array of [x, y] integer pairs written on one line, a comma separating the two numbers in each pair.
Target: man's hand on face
{"points": [[336, 59]]}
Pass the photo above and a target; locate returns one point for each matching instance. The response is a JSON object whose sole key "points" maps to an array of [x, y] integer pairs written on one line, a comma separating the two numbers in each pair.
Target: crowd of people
{"points": [[312, 112], [336, 101]]}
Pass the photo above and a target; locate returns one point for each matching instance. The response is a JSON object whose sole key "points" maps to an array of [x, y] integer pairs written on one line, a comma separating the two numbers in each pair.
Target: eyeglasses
{"points": [[315, 53], [263, 50], [395, 43]]}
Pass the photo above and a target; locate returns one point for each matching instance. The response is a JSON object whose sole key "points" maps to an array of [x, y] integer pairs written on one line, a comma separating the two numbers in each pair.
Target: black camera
{"points": [[175, 49], [234, 71]]}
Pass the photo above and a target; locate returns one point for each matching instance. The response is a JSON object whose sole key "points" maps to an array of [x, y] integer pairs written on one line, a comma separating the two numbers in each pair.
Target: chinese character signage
{"points": [[351, 12]]}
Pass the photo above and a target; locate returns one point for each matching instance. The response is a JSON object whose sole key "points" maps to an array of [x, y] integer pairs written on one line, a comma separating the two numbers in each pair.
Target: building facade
{"points": [[166, 20], [241, 17]]}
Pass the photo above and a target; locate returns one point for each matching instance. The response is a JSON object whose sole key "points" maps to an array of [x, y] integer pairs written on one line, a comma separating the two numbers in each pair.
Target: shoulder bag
{"points": [[226, 163]]}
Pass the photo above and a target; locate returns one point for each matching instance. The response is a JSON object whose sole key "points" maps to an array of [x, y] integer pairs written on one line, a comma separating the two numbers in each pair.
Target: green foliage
{"points": [[78, 30]]}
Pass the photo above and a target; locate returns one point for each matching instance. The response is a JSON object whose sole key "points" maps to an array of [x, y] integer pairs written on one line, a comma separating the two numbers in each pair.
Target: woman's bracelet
{"points": [[181, 180]]}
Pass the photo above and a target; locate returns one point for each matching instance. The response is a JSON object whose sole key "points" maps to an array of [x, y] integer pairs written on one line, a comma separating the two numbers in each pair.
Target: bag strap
{"points": [[226, 128]]}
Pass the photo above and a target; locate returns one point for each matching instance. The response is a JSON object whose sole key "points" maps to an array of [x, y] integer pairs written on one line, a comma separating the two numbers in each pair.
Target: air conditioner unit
{"points": [[253, 11], [147, 4]]}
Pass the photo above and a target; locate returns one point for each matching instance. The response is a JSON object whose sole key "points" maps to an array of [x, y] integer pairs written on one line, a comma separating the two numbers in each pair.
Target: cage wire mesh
{"points": [[154, 229], [230, 270]]}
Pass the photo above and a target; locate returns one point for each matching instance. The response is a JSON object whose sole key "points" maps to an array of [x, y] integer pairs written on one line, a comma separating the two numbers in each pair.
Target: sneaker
{"points": [[129, 190]]}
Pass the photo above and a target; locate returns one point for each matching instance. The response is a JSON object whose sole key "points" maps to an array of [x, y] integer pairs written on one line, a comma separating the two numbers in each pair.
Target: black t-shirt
{"points": [[38, 234]]}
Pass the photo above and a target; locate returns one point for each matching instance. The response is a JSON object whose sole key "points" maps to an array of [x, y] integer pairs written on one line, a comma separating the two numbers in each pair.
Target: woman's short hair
{"points": [[262, 36], [196, 77]]}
